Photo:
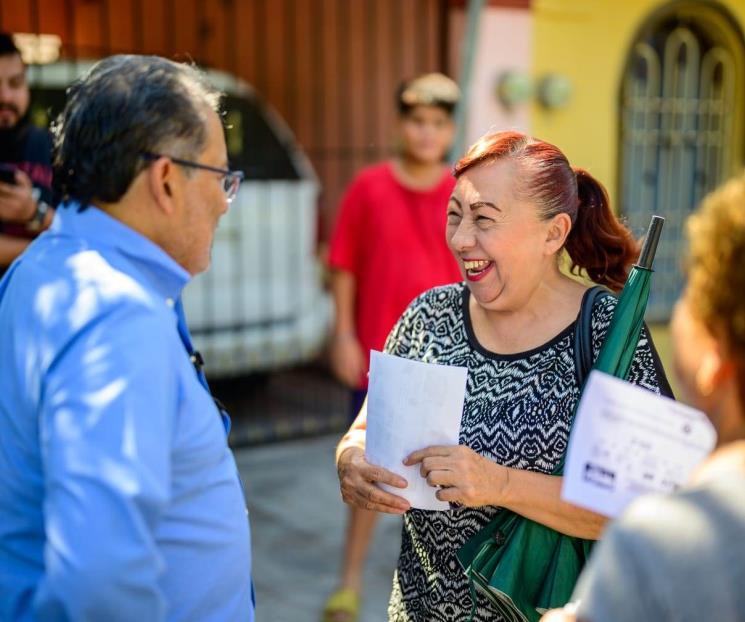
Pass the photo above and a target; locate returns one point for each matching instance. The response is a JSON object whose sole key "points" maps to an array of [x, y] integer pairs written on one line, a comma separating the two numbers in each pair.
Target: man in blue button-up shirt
{"points": [[119, 497]]}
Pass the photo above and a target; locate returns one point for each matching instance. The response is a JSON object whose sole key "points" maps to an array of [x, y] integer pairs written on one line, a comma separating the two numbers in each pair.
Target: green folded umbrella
{"points": [[619, 346], [525, 568]]}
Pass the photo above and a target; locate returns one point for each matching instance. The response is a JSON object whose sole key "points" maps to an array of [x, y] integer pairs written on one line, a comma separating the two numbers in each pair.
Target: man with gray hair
{"points": [[119, 496]]}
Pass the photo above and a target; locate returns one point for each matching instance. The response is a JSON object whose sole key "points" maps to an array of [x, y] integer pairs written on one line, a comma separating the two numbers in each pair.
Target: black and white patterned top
{"points": [[517, 412]]}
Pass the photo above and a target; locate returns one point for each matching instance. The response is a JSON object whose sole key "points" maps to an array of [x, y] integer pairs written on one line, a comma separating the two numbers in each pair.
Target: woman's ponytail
{"points": [[599, 243]]}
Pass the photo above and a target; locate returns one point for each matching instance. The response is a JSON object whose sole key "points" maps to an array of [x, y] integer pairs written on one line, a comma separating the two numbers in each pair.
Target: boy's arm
{"points": [[347, 356]]}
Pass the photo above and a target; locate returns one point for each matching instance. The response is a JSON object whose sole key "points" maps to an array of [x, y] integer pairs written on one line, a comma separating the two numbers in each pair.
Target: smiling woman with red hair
{"points": [[596, 241], [517, 205]]}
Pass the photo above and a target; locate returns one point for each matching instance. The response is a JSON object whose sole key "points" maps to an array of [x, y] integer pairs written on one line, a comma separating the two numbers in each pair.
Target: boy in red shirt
{"points": [[387, 248]]}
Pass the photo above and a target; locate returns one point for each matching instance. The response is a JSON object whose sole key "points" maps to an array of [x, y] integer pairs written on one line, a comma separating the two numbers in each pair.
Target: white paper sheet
{"points": [[627, 441], [410, 406]]}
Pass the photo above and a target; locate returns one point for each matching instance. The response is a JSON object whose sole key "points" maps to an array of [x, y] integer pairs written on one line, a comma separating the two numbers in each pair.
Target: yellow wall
{"points": [[588, 41]]}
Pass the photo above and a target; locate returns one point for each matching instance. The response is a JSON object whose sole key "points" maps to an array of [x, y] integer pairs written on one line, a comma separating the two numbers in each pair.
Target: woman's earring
{"points": [[704, 384]]}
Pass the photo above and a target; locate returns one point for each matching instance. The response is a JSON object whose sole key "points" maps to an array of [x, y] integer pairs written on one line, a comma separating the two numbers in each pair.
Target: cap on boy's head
{"points": [[431, 89], [7, 45]]}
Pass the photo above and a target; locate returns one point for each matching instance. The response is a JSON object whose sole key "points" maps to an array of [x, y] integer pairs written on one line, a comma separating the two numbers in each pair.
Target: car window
{"points": [[253, 146]]}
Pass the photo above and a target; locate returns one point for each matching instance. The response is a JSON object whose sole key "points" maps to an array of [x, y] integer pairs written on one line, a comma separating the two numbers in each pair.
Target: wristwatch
{"points": [[42, 209]]}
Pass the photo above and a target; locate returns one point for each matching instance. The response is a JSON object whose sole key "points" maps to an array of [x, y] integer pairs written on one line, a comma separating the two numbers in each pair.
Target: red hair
{"points": [[598, 242]]}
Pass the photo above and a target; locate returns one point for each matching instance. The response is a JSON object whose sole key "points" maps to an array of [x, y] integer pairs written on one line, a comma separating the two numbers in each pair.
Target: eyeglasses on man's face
{"points": [[231, 180]]}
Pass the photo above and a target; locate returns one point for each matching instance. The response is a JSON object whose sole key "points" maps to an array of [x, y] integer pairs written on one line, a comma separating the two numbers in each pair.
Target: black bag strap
{"points": [[583, 358]]}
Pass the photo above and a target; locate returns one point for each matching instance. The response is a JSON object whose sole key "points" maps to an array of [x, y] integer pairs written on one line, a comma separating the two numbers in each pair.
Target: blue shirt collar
{"points": [[98, 230]]}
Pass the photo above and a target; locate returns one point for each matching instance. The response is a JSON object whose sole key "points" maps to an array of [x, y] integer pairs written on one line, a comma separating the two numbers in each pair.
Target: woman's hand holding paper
{"points": [[358, 480], [463, 476]]}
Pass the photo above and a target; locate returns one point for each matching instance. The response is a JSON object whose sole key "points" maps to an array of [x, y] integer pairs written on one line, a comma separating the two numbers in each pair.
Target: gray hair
{"points": [[125, 106]]}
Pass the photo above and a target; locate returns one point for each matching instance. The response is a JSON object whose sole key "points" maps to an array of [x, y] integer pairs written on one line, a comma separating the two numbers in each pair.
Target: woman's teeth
{"points": [[475, 266]]}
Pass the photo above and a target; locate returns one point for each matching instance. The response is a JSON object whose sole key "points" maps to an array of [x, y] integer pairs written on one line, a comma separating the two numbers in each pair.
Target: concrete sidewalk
{"points": [[298, 522]]}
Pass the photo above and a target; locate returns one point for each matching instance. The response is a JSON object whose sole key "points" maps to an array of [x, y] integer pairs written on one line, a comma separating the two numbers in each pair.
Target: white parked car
{"points": [[261, 305]]}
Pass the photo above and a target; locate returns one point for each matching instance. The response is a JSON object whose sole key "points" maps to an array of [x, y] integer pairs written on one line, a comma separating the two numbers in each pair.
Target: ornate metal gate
{"points": [[681, 127]]}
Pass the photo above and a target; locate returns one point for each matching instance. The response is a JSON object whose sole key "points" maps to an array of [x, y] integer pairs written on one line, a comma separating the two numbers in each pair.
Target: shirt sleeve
{"points": [[106, 418], [347, 240], [611, 589], [624, 580], [407, 331]]}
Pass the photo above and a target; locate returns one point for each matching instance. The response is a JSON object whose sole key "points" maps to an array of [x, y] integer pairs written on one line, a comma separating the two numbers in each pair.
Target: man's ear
{"points": [[161, 182], [557, 232]]}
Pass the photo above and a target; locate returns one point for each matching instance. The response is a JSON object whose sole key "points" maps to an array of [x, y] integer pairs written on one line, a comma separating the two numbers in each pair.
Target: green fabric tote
{"points": [[522, 567]]}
